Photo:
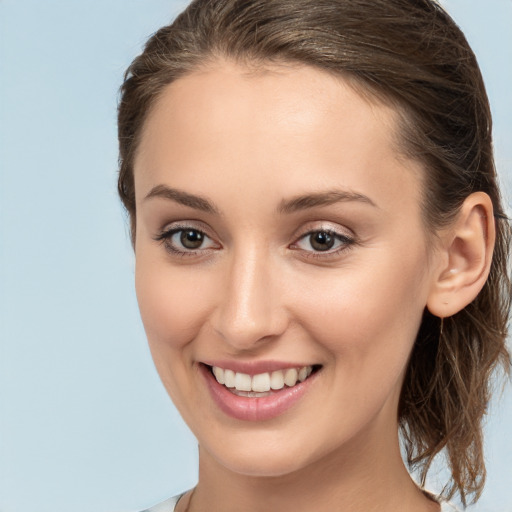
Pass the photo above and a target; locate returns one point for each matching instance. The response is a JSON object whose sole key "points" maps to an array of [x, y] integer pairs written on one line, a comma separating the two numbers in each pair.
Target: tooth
{"points": [[303, 374], [243, 382], [219, 374], [277, 380], [290, 377], [229, 378], [251, 394], [261, 382]]}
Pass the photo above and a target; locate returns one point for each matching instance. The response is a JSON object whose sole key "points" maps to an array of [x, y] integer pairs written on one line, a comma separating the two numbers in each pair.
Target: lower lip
{"points": [[254, 409]]}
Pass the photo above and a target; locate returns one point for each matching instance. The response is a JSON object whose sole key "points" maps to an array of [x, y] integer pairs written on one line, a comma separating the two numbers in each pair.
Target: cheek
{"points": [[366, 322], [171, 303], [172, 313], [367, 312]]}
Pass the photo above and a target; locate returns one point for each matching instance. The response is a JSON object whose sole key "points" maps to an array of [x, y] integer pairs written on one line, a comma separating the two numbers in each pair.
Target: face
{"points": [[279, 246]]}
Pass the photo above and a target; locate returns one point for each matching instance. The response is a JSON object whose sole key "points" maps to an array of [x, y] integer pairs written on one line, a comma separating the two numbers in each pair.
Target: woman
{"points": [[321, 250]]}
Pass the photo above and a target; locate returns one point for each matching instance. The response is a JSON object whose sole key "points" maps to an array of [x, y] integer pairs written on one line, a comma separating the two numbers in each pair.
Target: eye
{"points": [[323, 241], [186, 240], [190, 238]]}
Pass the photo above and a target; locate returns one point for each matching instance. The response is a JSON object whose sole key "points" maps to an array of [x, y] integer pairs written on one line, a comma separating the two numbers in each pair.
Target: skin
{"points": [[257, 290]]}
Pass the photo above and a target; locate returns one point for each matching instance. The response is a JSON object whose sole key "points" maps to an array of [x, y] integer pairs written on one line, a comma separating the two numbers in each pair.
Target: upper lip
{"points": [[255, 367]]}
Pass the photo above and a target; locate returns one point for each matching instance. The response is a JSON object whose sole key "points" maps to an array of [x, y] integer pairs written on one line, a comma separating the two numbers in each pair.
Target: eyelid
{"points": [[329, 227], [339, 236], [185, 224], [347, 240], [167, 233]]}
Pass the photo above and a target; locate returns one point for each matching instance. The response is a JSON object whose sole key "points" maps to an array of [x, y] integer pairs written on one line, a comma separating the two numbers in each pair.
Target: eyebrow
{"points": [[306, 201], [298, 203], [184, 198]]}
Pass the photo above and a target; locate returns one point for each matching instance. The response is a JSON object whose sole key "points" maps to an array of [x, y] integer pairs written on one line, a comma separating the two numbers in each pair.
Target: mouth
{"points": [[259, 396], [261, 384]]}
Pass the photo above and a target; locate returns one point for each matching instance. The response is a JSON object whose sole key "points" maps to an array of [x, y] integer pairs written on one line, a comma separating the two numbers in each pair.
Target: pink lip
{"points": [[254, 409], [254, 367]]}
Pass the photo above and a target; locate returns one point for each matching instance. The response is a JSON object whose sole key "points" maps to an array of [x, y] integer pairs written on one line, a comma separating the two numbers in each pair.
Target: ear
{"points": [[464, 259]]}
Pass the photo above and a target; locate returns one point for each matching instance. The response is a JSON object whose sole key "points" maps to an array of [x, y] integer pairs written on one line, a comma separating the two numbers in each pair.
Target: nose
{"points": [[250, 308]]}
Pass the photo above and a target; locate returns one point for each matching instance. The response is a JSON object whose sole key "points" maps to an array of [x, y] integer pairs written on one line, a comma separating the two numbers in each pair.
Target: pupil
{"points": [[191, 239], [321, 241]]}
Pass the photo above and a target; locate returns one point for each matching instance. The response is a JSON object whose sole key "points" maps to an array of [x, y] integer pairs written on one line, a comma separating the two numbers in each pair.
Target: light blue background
{"points": [[85, 424]]}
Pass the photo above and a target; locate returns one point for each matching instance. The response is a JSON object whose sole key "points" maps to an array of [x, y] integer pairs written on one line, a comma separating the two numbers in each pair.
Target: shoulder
{"points": [[448, 507], [445, 505], [165, 506]]}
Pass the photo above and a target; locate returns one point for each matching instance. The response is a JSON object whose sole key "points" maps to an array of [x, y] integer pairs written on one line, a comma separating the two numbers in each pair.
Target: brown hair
{"points": [[410, 53]]}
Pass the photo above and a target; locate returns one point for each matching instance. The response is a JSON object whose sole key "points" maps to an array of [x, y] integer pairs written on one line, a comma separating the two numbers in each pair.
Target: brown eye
{"points": [[191, 238], [321, 241], [325, 241], [187, 241]]}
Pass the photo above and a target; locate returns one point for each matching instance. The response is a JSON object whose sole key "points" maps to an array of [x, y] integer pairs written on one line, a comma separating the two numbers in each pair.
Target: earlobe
{"points": [[465, 257]]}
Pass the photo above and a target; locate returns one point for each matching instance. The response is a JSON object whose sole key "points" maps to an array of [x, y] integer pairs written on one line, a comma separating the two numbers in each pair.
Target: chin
{"points": [[256, 465], [261, 457]]}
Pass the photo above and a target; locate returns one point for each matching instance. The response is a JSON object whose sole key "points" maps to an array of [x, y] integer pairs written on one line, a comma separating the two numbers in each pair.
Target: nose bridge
{"points": [[249, 310]]}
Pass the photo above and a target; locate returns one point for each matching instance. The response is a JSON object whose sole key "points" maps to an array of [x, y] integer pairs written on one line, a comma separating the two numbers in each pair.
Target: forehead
{"points": [[224, 95], [292, 126]]}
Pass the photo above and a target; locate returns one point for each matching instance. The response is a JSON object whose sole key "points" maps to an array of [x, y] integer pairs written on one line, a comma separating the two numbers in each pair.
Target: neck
{"points": [[365, 477]]}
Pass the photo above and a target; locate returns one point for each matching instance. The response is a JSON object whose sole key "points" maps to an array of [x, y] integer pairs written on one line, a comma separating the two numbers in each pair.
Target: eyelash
{"points": [[346, 242], [166, 239]]}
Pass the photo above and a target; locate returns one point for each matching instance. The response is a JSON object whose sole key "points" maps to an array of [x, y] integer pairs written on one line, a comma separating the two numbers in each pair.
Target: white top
{"points": [[170, 504], [165, 506]]}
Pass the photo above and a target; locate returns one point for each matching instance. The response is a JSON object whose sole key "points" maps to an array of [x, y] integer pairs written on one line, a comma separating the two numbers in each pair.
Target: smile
{"points": [[243, 384], [258, 396]]}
